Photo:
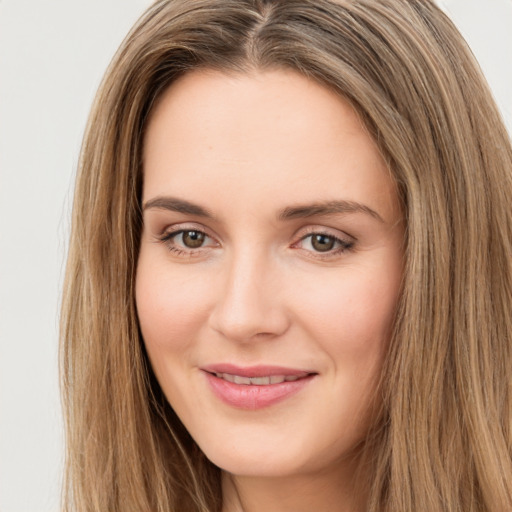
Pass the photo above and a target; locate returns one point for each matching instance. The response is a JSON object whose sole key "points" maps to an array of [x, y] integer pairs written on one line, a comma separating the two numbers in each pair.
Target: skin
{"points": [[247, 149]]}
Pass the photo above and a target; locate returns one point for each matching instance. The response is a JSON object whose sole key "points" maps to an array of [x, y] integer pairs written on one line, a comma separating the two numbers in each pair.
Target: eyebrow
{"points": [[177, 205], [289, 213], [327, 208]]}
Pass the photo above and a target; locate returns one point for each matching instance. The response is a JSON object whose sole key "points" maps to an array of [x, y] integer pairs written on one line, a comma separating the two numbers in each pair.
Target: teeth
{"points": [[260, 381], [257, 381], [237, 379]]}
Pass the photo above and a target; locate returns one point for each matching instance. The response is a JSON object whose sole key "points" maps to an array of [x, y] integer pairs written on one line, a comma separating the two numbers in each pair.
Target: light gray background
{"points": [[52, 56]]}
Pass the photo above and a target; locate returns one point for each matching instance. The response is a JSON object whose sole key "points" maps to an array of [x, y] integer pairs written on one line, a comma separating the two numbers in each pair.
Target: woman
{"points": [[290, 276]]}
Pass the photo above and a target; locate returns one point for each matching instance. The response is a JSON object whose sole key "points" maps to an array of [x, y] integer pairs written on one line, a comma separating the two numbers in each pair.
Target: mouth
{"points": [[257, 381], [255, 387]]}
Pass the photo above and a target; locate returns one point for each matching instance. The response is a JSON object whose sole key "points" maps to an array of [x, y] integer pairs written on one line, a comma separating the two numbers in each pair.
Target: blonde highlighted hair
{"points": [[443, 439]]}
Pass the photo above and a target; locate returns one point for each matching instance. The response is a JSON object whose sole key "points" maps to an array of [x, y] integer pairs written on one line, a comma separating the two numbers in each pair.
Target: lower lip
{"points": [[252, 397]]}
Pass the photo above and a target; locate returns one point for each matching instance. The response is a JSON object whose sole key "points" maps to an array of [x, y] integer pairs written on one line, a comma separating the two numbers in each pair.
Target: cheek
{"points": [[352, 315], [170, 307]]}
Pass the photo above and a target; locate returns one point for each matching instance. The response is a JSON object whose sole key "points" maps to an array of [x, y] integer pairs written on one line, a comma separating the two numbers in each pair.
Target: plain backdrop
{"points": [[52, 56]]}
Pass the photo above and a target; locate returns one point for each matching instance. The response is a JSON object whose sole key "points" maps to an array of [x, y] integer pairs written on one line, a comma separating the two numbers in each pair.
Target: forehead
{"points": [[261, 132]]}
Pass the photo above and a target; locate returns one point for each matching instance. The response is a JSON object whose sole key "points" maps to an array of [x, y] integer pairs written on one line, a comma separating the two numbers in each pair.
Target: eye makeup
{"points": [[192, 241]]}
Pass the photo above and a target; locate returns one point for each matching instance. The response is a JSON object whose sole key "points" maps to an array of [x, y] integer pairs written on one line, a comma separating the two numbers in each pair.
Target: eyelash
{"points": [[342, 245], [168, 240]]}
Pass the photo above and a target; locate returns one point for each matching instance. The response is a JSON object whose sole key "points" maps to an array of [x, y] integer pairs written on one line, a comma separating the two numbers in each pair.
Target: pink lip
{"points": [[252, 397], [254, 371]]}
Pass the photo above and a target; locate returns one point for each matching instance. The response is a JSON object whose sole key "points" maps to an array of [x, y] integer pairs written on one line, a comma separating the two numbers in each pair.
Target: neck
{"points": [[330, 490]]}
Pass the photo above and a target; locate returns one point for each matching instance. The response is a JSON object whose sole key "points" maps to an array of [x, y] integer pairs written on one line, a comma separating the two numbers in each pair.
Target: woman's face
{"points": [[269, 268]]}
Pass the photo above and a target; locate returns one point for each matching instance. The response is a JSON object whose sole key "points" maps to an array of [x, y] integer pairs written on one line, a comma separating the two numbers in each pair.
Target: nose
{"points": [[250, 302]]}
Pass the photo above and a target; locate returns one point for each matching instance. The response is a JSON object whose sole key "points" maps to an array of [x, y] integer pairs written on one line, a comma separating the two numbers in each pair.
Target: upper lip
{"points": [[255, 371]]}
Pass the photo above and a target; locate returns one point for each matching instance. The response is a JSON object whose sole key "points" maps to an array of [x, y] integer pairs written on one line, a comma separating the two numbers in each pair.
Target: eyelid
{"points": [[324, 230], [168, 235], [344, 241], [186, 226]]}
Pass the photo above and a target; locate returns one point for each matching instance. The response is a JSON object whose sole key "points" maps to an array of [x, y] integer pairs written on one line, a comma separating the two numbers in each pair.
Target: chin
{"points": [[250, 465], [278, 455]]}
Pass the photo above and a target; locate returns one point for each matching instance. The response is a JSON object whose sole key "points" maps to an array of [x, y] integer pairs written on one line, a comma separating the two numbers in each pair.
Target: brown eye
{"points": [[193, 239], [322, 243]]}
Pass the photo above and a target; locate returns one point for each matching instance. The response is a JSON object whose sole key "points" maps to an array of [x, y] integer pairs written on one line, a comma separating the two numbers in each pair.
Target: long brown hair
{"points": [[443, 440]]}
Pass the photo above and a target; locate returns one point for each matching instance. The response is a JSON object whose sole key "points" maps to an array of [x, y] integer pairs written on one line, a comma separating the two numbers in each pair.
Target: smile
{"points": [[257, 381], [255, 387]]}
